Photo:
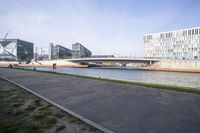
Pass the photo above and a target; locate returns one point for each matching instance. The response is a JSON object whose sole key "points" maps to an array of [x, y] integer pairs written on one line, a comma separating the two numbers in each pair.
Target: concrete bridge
{"points": [[80, 62], [113, 59]]}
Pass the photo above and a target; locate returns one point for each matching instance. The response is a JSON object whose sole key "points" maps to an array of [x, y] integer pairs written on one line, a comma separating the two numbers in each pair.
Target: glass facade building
{"points": [[79, 51], [179, 44], [59, 52], [16, 49]]}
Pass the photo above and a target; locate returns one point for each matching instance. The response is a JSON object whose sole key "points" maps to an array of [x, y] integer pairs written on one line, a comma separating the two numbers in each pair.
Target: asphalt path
{"points": [[122, 108]]}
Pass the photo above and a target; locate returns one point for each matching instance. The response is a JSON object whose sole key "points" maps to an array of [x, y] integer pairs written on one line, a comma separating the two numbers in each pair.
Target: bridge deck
{"points": [[140, 60]]}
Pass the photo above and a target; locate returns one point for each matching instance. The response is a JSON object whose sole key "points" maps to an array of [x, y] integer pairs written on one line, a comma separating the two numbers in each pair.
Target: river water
{"points": [[132, 74]]}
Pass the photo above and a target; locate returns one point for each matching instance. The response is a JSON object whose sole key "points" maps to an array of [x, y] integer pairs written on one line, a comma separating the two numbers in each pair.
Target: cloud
{"points": [[103, 28]]}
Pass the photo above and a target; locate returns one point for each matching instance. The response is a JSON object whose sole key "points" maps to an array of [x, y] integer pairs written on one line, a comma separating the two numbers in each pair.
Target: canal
{"points": [[132, 74]]}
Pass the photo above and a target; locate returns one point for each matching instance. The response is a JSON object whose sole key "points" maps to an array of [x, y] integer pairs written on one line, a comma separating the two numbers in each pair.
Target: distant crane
{"points": [[4, 38], [6, 35]]}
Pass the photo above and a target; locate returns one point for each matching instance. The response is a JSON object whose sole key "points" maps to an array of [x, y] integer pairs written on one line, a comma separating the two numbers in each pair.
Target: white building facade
{"points": [[179, 44]]}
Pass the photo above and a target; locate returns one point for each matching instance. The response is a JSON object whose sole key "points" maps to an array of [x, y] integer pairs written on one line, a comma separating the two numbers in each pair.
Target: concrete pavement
{"points": [[120, 107]]}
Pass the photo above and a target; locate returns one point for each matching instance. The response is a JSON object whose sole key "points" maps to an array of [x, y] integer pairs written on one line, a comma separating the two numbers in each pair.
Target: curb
{"points": [[94, 124]]}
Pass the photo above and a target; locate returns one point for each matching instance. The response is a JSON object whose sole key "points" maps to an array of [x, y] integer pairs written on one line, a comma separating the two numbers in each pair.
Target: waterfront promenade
{"points": [[121, 108]]}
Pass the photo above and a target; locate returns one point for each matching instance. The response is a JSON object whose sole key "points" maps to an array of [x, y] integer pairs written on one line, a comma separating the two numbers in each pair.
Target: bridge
{"points": [[113, 59]]}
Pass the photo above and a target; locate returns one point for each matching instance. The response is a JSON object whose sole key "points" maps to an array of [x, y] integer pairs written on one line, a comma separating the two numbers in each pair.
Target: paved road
{"points": [[119, 107]]}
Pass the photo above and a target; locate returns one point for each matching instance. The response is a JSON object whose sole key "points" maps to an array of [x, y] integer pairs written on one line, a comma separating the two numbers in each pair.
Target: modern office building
{"points": [[79, 51], [179, 44], [59, 52], [15, 49]]}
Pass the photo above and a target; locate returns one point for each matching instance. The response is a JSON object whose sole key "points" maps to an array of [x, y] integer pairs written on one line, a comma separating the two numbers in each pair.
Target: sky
{"points": [[103, 26]]}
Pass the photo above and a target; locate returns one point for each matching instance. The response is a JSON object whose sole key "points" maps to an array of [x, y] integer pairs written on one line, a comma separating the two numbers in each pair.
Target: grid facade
{"points": [[59, 52], [179, 44], [79, 51], [15, 49]]}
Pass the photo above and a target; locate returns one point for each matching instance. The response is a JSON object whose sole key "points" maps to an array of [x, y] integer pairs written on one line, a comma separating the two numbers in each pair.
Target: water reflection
{"points": [[171, 78]]}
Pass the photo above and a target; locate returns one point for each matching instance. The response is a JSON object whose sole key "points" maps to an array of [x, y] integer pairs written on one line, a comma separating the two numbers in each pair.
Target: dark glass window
{"points": [[196, 31], [192, 31], [185, 33], [189, 32]]}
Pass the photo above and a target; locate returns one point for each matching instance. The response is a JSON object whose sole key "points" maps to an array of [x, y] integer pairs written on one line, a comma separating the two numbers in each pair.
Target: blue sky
{"points": [[103, 26]]}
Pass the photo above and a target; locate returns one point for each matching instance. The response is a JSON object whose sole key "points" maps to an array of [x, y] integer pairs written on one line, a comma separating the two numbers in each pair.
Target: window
{"points": [[196, 31], [161, 36], [149, 37], [189, 32], [192, 31], [185, 33], [168, 35]]}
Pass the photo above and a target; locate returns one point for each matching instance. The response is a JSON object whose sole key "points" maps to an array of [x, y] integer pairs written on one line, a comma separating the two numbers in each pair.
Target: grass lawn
{"points": [[23, 112]]}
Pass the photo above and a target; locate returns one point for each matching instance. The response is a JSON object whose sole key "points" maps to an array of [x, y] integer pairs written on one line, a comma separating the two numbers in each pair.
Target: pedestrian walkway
{"points": [[121, 108]]}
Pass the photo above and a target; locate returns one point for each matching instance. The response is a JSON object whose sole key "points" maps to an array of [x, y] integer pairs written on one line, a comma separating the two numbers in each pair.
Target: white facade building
{"points": [[179, 44]]}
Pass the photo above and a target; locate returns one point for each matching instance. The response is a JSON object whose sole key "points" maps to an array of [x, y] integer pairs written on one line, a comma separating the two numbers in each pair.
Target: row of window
{"points": [[191, 32], [183, 33]]}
